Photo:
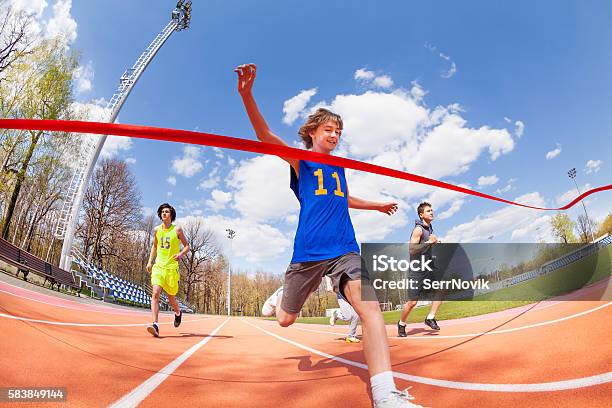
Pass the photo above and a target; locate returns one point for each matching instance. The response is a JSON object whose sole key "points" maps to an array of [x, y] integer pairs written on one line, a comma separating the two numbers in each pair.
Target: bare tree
{"points": [[112, 213], [14, 39], [202, 250], [585, 227]]}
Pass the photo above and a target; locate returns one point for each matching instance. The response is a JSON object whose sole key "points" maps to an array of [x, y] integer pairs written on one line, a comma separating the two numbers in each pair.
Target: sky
{"points": [[503, 98]]}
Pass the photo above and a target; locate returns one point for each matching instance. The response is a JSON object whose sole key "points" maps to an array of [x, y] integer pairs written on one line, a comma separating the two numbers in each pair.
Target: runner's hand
{"points": [[388, 208], [246, 77]]}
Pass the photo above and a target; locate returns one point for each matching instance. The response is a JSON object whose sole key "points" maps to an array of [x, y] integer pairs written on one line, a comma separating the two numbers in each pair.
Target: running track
{"points": [[555, 353]]}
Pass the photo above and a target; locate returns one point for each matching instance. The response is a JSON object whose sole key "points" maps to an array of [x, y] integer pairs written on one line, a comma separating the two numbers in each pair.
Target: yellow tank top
{"points": [[168, 245]]}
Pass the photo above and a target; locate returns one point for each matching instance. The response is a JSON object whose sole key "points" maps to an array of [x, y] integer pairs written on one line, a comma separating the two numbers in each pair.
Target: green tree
{"points": [[606, 226], [563, 227], [44, 80]]}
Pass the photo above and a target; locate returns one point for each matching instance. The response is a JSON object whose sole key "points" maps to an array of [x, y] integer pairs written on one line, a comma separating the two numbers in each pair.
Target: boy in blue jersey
{"points": [[325, 241]]}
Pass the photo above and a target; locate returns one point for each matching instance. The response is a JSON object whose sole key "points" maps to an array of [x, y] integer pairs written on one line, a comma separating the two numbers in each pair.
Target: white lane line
{"points": [[459, 336], [530, 387], [27, 319], [109, 309], [138, 394]]}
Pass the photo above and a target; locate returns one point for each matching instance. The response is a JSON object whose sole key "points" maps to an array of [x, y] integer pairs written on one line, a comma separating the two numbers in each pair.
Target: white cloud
{"points": [[231, 161], [453, 68], [383, 81], [452, 210], [374, 225], [592, 166], [171, 180], [61, 23], [208, 183], [369, 78], [262, 189], [292, 219], [188, 165], [519, 128], [130, 160], [553, 153], [293, 107], [146, 211], [364, 75], [569, 195], [451, 71], [507, 119], [218, 152], [500, 222], [83, 77], [169, 194], [536, 231], [507, 188], [487, 180], [254, 241], [417, 92], [114, 145], [219, 200]]}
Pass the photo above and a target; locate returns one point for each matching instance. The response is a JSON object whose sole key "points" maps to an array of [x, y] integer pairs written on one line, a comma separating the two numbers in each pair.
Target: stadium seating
{"points": [[121, 290]]}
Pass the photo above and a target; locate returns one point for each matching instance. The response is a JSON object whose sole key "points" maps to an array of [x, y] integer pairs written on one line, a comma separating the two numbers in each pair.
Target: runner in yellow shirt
{"points": [[166, 252]]}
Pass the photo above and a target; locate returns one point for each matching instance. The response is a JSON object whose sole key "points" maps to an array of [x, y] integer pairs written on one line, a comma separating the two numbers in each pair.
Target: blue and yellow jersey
{"points": [[324, 229]]}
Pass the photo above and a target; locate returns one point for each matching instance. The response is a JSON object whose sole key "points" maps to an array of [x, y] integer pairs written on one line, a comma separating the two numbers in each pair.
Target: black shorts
{"points": [[303, 278]]}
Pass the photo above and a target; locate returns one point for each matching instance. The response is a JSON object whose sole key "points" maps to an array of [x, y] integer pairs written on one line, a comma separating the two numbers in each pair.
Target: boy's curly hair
{"points": [[321, 116]]}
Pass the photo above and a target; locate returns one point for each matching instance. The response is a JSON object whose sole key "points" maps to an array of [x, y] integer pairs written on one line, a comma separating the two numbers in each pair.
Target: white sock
{"points": [[402, 323], [431, 316], [382, 385]]}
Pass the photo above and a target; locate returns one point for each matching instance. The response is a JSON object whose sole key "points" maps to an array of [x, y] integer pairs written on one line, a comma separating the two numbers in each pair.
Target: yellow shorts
{"points": [[167, 278]]}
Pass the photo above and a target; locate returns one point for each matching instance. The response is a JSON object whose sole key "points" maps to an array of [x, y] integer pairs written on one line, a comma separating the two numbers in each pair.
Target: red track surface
{"points": [[241, 365]]}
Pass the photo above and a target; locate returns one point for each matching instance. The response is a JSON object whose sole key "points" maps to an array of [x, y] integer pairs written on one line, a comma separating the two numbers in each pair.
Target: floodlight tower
{"points": [[230, 234], [572, 174], [92, 146]]}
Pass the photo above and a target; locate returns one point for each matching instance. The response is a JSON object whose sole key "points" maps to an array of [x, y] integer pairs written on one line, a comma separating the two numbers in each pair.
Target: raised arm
{"points": [[246, 78]]}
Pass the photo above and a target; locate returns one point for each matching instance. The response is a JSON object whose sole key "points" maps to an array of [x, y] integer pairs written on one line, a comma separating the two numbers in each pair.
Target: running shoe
{"points": [[398, 399], [177, 319], [352, 339], [401, 330], [153, 329], [333, 318], [432, 323], [269, 306]]}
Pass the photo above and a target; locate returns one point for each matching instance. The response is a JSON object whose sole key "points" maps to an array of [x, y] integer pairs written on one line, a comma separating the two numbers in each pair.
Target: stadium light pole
{"points": [[572, 174], [230, 234], [85, 161]]}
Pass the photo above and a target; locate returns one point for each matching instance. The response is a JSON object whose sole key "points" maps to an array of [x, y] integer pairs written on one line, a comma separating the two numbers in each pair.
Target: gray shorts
{"points": [[303, 278]]}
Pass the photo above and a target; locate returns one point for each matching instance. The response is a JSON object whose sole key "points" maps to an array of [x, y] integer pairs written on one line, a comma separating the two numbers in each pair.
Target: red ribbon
{"points": [[227, 142]]}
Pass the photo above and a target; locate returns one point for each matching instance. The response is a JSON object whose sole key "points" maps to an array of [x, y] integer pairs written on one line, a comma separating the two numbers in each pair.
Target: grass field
{"points": [[561, 281]]}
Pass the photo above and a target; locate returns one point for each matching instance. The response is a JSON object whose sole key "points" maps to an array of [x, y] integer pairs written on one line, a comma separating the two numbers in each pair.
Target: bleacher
{"points": [[553, 265], [120, 290]]}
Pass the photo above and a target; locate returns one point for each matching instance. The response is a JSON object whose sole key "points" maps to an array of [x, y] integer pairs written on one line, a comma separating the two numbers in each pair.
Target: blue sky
{"points": [[503, 98]]}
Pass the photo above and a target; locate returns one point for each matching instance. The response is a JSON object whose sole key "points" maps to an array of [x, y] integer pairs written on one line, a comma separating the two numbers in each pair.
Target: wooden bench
{"points": [[25, 263]]}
